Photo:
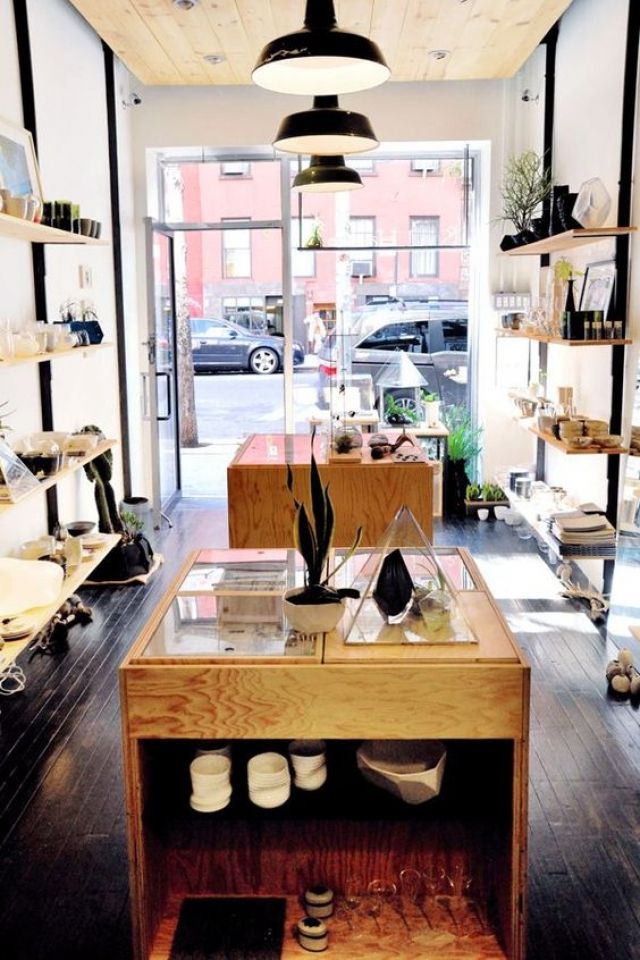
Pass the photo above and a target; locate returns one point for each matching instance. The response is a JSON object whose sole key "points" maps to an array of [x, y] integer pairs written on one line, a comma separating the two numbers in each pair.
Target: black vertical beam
{"points": [[116, 245], [622, 245], [37, 249], [551, 43]]}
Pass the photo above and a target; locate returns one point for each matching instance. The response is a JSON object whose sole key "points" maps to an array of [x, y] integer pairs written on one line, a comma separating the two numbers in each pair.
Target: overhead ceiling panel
{"points": [[161, 44]]}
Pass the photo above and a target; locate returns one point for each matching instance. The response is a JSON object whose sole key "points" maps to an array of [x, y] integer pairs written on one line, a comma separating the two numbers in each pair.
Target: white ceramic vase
{"points": [[312, 617]]}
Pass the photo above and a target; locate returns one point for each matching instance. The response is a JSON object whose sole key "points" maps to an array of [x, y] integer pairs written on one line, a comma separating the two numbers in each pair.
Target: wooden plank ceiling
{"points": [[161, 44]]}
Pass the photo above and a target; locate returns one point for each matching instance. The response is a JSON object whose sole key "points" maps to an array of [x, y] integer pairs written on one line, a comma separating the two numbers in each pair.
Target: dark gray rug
{"points": [[230, 928]]}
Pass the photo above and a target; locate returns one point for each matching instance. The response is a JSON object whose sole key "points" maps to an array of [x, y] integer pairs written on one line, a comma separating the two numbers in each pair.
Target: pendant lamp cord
{"points": [[320, 15]]}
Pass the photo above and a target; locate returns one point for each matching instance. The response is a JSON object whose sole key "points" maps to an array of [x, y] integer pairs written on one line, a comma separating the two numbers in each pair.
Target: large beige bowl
{"points": [[410, 769]]}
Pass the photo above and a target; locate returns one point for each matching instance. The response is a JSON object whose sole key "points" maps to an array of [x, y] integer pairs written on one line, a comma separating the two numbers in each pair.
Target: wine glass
{"points": [[433, 879], [411, 886], [374, 901], [352, 900], [459, 880]]}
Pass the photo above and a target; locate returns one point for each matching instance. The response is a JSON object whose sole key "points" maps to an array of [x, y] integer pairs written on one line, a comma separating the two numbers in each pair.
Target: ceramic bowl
{"points": [[80, 527], [410, 769], [577, 443], [610, 440], [500, 512]]}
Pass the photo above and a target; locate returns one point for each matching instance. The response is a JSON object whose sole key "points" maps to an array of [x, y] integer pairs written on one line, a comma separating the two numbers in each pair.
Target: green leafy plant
{"points": [[428, 397], [395, 413], [564, 270], [315, 237], [343, 442], [492, 492], [132, 524], [313, 536], [525, 185], [473, 491], [465, 438]]}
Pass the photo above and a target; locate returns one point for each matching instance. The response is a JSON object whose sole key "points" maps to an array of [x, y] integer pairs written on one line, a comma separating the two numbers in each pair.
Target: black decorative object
{"points": [[570, 304], [566, 203], [229, 928], [455, 488], [394, 588], [557, 209], [91, 327]]}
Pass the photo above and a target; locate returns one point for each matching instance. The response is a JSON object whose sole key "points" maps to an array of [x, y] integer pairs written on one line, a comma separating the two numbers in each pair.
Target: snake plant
{"points": [[313, 535]]}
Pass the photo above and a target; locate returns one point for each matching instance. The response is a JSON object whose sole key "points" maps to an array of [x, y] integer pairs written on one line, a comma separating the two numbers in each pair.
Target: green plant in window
{"points": [[465, 438], [315, 237], [525, 185], [396, 413]]}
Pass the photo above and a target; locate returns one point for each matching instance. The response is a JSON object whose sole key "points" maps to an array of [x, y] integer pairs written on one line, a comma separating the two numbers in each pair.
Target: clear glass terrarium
{"points": [[407, 592]]}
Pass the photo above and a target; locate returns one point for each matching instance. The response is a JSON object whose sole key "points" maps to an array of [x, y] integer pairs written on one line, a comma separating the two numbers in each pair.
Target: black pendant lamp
{"points": [[325, 130], [327, 175], [320, 58]]}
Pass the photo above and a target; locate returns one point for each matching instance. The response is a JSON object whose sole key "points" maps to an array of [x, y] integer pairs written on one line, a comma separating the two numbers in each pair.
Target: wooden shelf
{"points": [[567, 240], [528, 511], [41, 615], [19, 229], [559, 445], [456, 931], [544, 338], [76, 463], [55, 355]]}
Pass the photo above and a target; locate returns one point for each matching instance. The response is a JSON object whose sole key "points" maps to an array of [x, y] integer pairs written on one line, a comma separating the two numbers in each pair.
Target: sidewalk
{"points": [[204, 468]]}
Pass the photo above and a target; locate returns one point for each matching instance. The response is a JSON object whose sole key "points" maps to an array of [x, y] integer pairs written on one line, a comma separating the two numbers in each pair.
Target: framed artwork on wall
{"points": [[597, 289], [19, 171]]}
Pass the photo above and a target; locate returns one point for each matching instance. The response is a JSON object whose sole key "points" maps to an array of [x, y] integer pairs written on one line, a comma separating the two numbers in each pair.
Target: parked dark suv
{"points": [[434, 336], [221, 345]]}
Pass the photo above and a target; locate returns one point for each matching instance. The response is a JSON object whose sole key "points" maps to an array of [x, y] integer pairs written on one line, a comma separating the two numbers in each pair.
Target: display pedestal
{"points": [[474, 697]]}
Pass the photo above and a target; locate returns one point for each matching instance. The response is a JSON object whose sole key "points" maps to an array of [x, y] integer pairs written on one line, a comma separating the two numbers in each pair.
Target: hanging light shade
{"points": [[325, 130], [327, 175], [320, 58]]}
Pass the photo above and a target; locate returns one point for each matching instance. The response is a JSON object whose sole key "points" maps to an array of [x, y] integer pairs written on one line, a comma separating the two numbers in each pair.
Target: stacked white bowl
{"points": [[210, 782], [269, 780], [309, 762]]}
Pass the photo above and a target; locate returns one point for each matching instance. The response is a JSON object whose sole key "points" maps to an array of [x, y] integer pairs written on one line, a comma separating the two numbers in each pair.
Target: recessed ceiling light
{"points": [[439, 54], [214, 58], [185, 4]]}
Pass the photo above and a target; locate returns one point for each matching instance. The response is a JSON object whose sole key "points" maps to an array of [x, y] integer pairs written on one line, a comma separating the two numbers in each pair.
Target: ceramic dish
{"points": [[610, 440], [578, 443]]}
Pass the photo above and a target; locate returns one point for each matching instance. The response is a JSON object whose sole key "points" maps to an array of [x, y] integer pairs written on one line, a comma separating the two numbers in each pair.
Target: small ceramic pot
{"points": [[312, 617]]}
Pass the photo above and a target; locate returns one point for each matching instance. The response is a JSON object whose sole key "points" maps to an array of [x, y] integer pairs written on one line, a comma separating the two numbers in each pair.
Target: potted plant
{"points": [[464, 445], [316, 607], [431, 403], [526, 184], [314, 239], [398, 415]]}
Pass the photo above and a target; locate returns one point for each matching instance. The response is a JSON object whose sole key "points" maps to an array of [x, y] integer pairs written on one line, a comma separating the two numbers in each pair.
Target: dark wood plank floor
{"points": [[63, 863]]}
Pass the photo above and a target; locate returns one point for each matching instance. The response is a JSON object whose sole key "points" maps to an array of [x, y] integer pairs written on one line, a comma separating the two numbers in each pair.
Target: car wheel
{"points": [[264, 360]]}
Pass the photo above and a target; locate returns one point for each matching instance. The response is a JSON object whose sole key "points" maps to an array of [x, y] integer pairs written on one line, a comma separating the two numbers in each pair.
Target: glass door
{"points": [[162, 406]]}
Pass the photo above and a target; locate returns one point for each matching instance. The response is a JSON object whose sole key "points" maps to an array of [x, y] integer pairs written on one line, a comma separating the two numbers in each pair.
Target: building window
{"points": [[362, 230], [236, 168], [236, 250], [425, 167], [303, 263], [424, 232], [365, 166]]}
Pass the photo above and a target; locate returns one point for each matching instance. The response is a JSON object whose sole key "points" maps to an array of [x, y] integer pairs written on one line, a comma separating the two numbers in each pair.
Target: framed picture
{"points": [[597, 289], [19, 170]]}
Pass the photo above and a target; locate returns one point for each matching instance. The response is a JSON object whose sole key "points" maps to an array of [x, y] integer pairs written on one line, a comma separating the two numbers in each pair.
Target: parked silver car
{"points": [[221, 345]]}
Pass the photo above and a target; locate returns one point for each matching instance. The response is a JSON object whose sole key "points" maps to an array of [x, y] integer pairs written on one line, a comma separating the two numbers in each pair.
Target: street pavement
{"points": [[230, 406]]}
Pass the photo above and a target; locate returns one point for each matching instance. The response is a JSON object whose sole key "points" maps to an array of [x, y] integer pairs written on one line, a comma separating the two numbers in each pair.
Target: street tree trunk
{"points": [[174, 189]]}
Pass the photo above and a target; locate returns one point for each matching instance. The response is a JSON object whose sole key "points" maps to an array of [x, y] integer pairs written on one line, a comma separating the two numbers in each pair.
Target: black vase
{"points": [[455, 488], [566, 203], [570, 304], [555, 222], [394, 587]]}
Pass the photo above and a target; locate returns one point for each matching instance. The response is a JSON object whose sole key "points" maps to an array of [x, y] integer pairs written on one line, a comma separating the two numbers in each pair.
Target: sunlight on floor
{"points": [[518, 577]]}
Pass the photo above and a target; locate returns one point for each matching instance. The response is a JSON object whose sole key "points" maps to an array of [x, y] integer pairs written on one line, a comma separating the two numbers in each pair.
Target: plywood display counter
{"points": [[367, 493], [189, 680]]}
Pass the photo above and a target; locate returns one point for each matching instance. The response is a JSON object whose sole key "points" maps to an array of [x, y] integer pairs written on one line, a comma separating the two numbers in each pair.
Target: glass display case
{"points": [[229, 605]]}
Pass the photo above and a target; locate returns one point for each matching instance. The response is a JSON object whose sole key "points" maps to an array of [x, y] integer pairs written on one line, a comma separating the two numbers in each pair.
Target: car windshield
{"points": [[205, 326]]}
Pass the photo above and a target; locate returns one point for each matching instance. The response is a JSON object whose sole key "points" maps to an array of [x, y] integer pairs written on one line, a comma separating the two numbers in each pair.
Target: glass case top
{"points": [[229, 606]]}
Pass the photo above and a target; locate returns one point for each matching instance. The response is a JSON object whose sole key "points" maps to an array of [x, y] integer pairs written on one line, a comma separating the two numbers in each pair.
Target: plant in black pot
{"points": [[464, 445], [316, 607], [526, 185]]}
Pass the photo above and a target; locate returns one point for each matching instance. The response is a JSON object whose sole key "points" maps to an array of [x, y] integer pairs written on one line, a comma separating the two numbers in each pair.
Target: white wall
{"points": [[69, 86]]}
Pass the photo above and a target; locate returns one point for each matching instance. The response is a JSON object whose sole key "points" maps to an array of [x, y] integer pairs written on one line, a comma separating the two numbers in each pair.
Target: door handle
{"points": [[165, 373]]}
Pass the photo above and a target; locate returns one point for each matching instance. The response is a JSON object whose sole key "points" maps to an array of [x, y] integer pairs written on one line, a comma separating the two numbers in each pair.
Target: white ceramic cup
{"points": [[209, 775], [224, 750]]}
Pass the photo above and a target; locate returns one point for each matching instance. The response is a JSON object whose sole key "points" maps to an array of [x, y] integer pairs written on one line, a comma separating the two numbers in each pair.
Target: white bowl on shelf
{"points": [[409, 769]]}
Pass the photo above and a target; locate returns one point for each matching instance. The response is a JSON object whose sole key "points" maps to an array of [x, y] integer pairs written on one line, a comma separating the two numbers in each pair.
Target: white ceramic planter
{"points": [[312, 617], [432, 413]]}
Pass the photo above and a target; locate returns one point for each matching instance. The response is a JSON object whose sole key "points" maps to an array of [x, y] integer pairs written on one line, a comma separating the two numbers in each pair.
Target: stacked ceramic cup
{"points": [[210, 782], [309, 762], [269, 779]]}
